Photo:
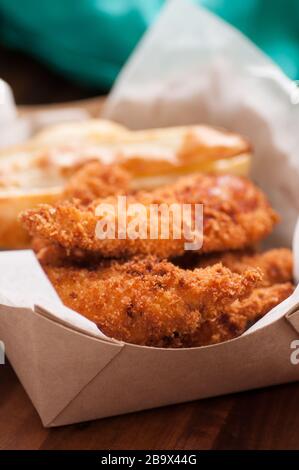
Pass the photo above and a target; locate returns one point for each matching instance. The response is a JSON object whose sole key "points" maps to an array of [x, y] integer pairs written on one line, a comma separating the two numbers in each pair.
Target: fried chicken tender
{"points": [[89, 182], [240, 315], [49, 253], [236, 215], [150, 302], [275, 286], [276, 265], [94, 180]]}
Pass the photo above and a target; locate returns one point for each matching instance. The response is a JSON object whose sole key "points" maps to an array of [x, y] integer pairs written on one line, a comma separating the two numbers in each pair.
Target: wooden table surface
{"points": [[261, 419]]}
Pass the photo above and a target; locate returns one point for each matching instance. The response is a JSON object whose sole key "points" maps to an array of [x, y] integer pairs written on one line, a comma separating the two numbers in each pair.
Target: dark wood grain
{"points": [[262, 419]]}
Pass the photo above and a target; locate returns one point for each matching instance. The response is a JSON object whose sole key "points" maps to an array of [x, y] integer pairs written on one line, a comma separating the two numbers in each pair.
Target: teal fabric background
{"points": [[90, 40]]}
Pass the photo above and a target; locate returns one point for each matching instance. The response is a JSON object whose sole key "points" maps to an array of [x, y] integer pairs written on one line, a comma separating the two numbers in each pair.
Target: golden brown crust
{"points": [[276, 265], [236, 215], [240, 315], [276, 285], [52, 254], [150, 302], [95, 180]]}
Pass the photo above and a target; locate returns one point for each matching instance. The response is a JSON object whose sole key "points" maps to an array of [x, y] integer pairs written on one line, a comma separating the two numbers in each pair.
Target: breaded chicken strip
{"points": [[276, 265], [236, 215], [55, 255], [239, 316], [89, 182], [94, 180], [150, 302]]}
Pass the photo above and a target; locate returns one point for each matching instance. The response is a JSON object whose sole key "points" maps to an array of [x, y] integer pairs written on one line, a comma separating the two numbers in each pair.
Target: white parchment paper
{"points": [[190, 68], [23, 283]]}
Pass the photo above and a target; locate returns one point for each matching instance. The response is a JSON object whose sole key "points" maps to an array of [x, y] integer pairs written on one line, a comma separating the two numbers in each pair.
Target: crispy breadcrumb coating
{"points": [[236, 215], [240, 315], [94, 180], [155, 303], [55, 255], [276, 265], [150, 302], [275, 286], [89, 182]]}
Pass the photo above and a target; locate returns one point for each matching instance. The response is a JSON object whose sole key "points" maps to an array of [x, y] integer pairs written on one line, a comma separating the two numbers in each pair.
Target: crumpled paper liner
{"points": [[192, 68]]}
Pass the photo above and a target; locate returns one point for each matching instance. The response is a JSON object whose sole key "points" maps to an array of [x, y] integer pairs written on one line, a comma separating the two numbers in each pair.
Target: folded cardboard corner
{"points": [[53, 362], [71, 376], [293, 318]]}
